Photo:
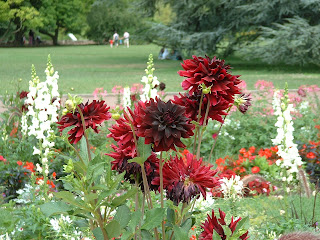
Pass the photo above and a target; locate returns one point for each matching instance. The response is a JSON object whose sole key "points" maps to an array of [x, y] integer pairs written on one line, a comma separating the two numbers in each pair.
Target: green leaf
{"points": [[84, 151], [139, 160], [180, 233], [135, 219], [242, 224], [215, 236], [69, 198], [144, 149], [113, 229], [120, 200], [123, 216], [80, 168], [171, 217], [90, 197], [98, 233], [146, 235], [187, 224], [227, 231], [66, 130], [51, 208], [153, 218]]}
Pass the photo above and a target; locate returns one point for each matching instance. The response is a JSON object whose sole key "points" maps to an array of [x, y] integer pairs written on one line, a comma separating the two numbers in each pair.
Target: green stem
{"points": [[197, 126], [203, 127], [161, 194], [215, 140], [84, 132]]}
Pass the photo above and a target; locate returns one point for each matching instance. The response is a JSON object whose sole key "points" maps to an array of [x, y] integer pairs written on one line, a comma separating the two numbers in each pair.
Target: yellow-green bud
{"points": [[115, 116], [69, 167], [70, 105], [65, 111]]}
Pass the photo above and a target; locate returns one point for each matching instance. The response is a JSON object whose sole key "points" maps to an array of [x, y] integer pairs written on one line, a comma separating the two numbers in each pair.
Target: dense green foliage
{"points": [[285, 31], [106, 17]]}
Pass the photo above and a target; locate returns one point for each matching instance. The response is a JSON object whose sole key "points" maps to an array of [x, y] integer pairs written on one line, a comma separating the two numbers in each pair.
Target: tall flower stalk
{"points": [[150, 82], [288, 150], [43, 103]]}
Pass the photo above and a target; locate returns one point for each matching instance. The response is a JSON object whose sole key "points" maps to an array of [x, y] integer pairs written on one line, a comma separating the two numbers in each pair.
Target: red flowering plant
{"points": [[253, 166], [146, 151], [217, 228], [310, 154]]}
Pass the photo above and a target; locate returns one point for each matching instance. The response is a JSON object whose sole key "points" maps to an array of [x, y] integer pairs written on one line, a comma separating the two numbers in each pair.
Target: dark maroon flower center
{"points": [[168, 118]]}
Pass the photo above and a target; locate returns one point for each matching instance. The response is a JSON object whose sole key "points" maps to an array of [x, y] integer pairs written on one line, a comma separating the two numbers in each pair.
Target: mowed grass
{"points": [[85, 68]]}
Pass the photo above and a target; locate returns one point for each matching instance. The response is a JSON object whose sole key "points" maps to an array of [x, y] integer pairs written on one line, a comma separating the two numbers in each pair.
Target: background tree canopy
{"points": [[283, 31], [275, 30]]}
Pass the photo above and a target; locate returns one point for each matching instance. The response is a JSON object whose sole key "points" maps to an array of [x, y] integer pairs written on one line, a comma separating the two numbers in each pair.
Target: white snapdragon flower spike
{"points": [[287, 149], [126, 97], [150, 82], [43, 104], [231, 188]]}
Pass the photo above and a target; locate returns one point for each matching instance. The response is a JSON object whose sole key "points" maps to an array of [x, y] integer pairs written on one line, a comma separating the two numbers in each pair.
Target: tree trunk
{"points": [[55, 37], [18, 33]]}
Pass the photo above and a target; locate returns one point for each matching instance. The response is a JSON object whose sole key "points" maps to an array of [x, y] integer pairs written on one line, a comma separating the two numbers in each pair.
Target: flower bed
{"points": [[209, 163]]}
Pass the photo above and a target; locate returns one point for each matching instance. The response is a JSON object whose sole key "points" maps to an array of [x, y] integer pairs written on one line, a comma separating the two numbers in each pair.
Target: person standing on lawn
{"points": [[115, 39], [126, 36]]}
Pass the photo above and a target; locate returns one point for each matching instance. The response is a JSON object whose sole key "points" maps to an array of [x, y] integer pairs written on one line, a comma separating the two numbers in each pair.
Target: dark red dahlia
{"points": [[162, 124], [22, 94], [122, 133], [133, 170], [192, 103], [94, 114], [186, 178], [213, 73], [215, 224]]}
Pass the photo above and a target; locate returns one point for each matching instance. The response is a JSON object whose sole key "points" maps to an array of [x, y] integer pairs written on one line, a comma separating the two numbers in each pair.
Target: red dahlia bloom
{"points": [[22, 94], [94, 114], [215, 224], [212, 73], [192, 102], [162, 124], [122, 133], [186, 178], [133, 170]]}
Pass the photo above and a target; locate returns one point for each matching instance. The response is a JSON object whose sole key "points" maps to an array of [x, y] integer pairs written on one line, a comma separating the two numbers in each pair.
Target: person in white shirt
{"points": [[115, 39], [126, 36]]}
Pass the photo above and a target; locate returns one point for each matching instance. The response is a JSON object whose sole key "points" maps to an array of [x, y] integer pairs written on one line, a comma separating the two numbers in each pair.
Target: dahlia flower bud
{"points": [[243, 102], [70, 106]]}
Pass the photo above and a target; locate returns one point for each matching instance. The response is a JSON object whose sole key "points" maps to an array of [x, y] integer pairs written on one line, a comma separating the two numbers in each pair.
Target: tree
{"points": [[15, 17], [68, 15], [108, 16], [222, 26], [289, 32]]}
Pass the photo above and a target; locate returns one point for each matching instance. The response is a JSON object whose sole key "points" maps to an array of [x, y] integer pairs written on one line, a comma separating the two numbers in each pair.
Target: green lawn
{"points": [[87, 67]]}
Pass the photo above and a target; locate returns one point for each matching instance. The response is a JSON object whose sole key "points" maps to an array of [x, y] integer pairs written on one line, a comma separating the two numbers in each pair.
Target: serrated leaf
{"points": [[97, 232], [180, 233], [146, 235], [113, 229], [135, 219], [121, 200], [90, 197], [242, 224], [144, 149], [153, 218], [123, 216], [51, 208], [138, 160], [84, 151], [69, 198], [215, 236]]}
